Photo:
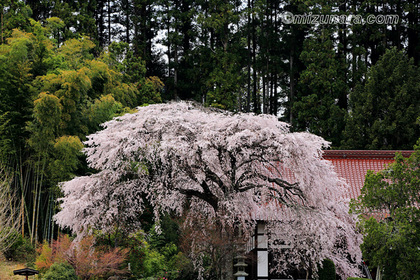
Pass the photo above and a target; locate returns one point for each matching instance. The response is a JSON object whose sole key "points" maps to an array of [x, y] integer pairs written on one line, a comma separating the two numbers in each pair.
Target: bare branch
{"points": [[9, 213]]}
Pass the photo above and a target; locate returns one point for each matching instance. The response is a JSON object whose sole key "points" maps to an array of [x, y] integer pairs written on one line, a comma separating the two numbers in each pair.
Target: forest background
{"points": [[68, 66]]}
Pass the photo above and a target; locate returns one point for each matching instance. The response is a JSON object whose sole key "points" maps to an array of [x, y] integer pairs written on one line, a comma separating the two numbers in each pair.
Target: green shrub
{"points": [[60, 271], [15, 240], [21, 250], [327, 271], [356, 278]]}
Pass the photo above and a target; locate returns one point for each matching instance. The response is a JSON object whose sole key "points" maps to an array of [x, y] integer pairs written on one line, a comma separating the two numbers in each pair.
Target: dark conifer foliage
{"points": [[242, 55]]}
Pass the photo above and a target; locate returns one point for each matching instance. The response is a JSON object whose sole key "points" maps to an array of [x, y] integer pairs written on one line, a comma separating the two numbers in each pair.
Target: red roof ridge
{"points": [[364, 154]]}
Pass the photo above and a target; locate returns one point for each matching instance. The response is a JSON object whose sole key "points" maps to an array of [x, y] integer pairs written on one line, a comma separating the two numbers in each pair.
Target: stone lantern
{"points": [[240, 266]]}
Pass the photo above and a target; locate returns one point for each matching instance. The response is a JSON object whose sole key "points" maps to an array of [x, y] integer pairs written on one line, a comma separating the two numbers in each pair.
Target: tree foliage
{"points": [[236, 55], [54, 92], [5, 141], [391, 239], [153, 256], [321, 103], [384, 111], [233, 169]]}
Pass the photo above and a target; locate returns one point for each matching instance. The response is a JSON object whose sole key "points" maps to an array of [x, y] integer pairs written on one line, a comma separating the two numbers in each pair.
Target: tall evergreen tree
{"points": [[317, 104], [293, 36], [220, 45], [384, 111], [320, 102]]}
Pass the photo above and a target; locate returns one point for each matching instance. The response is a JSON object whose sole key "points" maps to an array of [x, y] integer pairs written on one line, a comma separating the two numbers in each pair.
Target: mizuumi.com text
{"points": [[290, 18]]}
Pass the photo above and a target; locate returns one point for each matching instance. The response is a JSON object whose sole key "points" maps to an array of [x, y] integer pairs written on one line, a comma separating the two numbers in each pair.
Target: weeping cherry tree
{"points": [[234, 169]]}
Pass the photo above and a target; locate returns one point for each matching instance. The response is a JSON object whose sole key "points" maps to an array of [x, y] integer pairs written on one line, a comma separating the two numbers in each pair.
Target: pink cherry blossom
{"points": [[237, 168]]}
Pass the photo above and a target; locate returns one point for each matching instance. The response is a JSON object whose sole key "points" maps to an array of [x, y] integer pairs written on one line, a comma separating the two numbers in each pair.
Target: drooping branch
{"points": [[289, 190], [233, 168], [9, 214], [206, 196]]}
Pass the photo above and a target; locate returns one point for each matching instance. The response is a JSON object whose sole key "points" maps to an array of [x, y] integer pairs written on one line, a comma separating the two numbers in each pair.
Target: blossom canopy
{"points": [[236, 168]]}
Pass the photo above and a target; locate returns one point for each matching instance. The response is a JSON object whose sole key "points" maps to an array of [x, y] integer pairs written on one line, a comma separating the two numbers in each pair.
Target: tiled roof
{"points": [[352, 165]]}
